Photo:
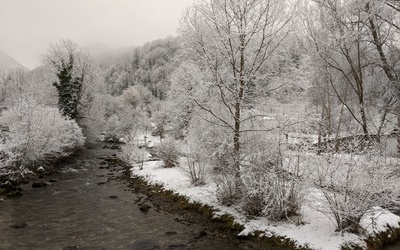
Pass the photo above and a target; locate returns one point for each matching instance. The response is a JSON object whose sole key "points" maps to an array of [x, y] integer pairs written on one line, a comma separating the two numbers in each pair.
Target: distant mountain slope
{"points": [[8, 63]]}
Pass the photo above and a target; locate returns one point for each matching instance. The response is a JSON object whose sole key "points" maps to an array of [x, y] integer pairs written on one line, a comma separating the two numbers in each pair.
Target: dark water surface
{"points": [[86, 208], [393, 247]]}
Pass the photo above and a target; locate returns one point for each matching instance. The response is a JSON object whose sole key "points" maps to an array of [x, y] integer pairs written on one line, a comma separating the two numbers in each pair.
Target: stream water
{"points": [[86, 207], [393, 247]]}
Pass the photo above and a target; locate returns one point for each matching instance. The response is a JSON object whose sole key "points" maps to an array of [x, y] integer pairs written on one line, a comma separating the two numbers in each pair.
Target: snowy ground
{"points": [[317, 231]]}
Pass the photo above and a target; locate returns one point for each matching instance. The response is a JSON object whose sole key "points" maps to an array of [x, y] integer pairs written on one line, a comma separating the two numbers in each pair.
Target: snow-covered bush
{"points": [[227, 192], [132, 154], [275, 194], [8, 168], [196, 165], [36, 134], [350, 185], [119, 116], [211, 144], [168, 152], [197, 159], [272, 179]]}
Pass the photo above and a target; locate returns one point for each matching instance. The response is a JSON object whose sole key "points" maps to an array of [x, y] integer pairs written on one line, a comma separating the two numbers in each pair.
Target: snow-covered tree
{"points": [[232, 42], [35, 135]]}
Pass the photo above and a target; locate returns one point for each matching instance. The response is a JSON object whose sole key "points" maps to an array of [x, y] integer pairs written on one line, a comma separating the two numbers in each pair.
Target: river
{"points": [[86, 205]]}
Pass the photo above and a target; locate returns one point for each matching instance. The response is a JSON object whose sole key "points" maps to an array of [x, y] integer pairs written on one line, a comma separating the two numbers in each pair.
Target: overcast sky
{"points": [[27, 27]]}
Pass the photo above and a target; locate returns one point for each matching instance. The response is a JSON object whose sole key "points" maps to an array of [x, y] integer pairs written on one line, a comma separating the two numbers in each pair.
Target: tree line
{"points": [[237, 81]]}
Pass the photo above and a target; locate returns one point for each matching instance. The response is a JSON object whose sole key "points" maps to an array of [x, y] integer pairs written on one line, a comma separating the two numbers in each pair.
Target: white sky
{"points": [[27, 27]]}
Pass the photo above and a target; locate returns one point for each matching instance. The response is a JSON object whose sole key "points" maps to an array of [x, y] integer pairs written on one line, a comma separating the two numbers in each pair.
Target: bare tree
{"points": [[340, 46], [382, 23], [233, 42]]}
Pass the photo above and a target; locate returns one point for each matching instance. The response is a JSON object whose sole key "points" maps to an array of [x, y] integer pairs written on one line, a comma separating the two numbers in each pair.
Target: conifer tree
{"points": [[72, 68], [69, 88]]}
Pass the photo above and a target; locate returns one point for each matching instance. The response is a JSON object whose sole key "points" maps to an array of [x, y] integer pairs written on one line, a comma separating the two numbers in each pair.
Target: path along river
{"points": [[87, 205]]}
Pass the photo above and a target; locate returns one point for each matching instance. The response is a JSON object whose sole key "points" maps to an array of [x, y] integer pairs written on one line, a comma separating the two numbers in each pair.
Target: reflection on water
{"points": [[82, 209]]}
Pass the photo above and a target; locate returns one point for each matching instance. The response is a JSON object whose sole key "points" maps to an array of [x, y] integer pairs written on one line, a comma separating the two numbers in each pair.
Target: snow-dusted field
{"points": [[316, 229]]}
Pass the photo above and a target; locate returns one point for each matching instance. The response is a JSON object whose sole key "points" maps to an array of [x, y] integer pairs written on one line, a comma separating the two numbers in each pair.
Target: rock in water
{"points": [[72, 248], [19, 225], [144, 207], [39, 184], [14, 193], [10, 190], [145, 245]]}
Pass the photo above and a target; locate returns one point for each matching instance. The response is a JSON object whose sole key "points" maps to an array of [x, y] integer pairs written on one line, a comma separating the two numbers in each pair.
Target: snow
{"points": [[314, 229], [40, 169], [378, 219], [318, 231]]}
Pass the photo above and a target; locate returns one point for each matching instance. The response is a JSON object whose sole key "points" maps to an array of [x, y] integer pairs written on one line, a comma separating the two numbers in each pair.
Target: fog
{"points": [[28, 27]]}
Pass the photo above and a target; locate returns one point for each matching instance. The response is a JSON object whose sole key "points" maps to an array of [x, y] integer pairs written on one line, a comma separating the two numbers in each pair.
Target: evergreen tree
{"points": [[73, 69], [69, 88]]}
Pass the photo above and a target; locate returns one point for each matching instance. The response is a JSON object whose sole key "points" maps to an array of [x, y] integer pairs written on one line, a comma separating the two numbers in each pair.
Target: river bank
{"points": [[91, 203], [312, 230]]}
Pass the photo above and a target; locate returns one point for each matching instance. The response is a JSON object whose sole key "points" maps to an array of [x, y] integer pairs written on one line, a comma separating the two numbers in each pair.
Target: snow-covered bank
{"points": [[314, 229]]}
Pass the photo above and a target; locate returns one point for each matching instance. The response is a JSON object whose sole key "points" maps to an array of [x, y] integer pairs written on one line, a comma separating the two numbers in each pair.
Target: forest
{"points": [[273, 102]]}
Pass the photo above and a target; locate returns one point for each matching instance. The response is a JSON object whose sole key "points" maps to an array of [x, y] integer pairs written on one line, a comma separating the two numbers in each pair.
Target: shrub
{"points": [[197, 161], [272, 178], [168, 152], [197, 167], [227, 192], [351, 185], [275, 194], [8, 168], [132, 154], [36, 135]]}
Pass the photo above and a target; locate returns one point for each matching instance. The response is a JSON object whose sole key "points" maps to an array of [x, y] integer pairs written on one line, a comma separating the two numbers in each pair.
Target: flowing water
{"points": [[393, 247], [86, 207]]}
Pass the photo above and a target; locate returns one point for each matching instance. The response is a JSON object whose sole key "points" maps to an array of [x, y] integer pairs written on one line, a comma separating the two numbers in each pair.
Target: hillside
{"points": [[8, 63]]}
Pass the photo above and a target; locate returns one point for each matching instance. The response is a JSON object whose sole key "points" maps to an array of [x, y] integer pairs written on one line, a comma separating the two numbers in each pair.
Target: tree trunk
{"points": [[398, 135], [320, 127], [238, 106], [364, 121], [236, 142], [388, 71]]}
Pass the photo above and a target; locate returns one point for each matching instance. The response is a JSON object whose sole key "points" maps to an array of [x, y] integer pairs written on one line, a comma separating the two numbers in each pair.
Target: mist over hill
{"points": [[8, 63]]}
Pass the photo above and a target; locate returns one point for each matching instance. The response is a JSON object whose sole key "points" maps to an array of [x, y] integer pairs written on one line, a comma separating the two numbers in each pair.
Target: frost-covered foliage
{"points": [[350, 185], [34, 135], [34, 84], [213, 148], [213, 143], [160, 120], [133, 154], [124, 115], [227, 192], [353, 65], [149, 65], [168, 152], [196, 162], [273, 181], [182, 95], [275, 194], [197, 167]]}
